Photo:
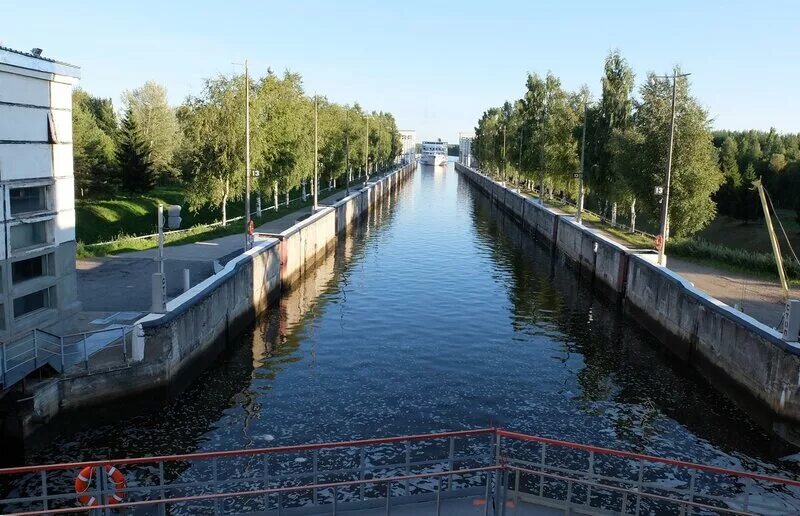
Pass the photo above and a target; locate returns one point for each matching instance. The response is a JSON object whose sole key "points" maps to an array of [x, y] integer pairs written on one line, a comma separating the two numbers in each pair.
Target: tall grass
{"points": [[738, 259]]}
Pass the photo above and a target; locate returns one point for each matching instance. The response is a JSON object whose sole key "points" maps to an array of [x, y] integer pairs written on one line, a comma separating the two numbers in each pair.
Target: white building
{"points": [[408, 139], [38, 284], [465, 148]]}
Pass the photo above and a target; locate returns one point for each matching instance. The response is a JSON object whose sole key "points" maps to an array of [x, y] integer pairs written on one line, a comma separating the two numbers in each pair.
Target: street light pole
{"points": [[316, 153], [366, 155], [247, 158], [541, 168], [664, 230], [579, 214]]}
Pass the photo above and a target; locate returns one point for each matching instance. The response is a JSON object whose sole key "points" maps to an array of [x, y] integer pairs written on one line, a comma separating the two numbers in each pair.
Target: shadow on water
{"points": [[620, 362], [232, 385]]}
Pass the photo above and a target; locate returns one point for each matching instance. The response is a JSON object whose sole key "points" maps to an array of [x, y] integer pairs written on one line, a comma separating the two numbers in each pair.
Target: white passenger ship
{"points": [[434, 153]]}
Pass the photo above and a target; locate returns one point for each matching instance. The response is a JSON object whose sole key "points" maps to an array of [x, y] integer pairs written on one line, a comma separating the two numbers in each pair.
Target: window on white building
{"points": [[28, 235], [28, 199], [31, 268], [33, 302]]}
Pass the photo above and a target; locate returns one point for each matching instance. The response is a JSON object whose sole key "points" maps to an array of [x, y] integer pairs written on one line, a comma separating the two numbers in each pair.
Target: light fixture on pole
{"points": [[664, 228]]}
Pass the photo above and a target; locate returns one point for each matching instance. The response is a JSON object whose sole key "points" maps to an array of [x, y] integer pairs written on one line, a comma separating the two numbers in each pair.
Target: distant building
{"points": [[465, 148], [38, 284], [408, 139]]}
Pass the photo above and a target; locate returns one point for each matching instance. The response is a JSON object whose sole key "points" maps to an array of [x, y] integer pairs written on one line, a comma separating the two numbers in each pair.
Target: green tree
{"points": [[777, 162], [138, 174], [94, 151], [614, 114], [695, 174], [157, 123], [214, 126]]}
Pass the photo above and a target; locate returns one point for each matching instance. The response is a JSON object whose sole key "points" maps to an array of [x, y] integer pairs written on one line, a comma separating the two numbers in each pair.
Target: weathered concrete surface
{"points": [[718, 340], [716, 337]]}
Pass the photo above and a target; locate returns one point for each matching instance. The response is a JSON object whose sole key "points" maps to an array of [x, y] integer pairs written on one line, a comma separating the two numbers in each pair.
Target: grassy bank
{"points": [[102, 220], [738, 260], [196, 233]]}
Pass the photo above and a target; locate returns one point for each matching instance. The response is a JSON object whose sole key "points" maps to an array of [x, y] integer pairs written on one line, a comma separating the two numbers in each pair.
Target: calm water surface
{"points": [[439, 315]]}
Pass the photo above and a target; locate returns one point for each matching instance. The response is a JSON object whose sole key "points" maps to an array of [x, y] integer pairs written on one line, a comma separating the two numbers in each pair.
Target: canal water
{"points": [[438, 314]]}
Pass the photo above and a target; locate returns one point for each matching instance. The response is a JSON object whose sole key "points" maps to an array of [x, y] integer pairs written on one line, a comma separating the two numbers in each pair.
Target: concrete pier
{"points": [[719, 341]]}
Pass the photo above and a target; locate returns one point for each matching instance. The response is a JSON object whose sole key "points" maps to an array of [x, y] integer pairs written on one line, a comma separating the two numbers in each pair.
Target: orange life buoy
{"points": [[251, 228], [659, 241], [84, 479]]}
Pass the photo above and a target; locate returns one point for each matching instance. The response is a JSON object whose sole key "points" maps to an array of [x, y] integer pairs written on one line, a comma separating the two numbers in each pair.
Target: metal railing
{"points": [[500, 471], [84, 350]]}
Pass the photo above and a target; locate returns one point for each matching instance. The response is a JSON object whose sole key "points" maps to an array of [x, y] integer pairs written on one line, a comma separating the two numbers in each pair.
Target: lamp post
{"points": [[664, 229], [366, 154], [247, 242], [579, 214], [316, 154]]}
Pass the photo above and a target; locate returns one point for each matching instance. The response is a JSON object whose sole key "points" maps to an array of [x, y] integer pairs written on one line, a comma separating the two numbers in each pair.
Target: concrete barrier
{"points": [[717, 339], [726, 345]]}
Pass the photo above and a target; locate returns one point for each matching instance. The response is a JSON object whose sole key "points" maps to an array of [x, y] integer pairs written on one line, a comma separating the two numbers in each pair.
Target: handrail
{"points": [[261, 492], [389, 440], [608, 487], [650, 458], [244, 452]]}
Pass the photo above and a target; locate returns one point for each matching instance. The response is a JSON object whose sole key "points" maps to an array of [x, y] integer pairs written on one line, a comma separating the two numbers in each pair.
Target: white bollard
{"points": [[187, 282]]}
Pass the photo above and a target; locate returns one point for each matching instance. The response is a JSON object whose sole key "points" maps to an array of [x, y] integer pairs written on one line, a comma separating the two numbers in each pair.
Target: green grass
{"points": [[102, 220], [738, 260], [124, 243], [751, 236]]}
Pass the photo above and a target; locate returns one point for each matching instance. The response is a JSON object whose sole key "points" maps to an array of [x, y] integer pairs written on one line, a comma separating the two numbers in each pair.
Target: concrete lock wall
{"points": [[170, 347], [716, 339]]}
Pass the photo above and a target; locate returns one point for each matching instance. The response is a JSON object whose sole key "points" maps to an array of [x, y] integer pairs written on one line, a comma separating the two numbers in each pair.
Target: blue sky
{"points": [[436, 65]]}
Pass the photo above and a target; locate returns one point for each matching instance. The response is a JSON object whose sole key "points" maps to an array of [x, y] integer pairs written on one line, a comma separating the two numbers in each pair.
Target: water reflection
{"points": [[440, 314]]}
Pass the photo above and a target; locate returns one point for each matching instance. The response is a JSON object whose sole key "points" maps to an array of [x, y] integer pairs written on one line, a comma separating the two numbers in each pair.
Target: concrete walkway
{"points": [[756, 296], [122, 282]]}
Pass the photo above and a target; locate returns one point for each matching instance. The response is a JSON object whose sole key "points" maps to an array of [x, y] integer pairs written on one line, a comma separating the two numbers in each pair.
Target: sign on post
{"points": [[173, 216]]}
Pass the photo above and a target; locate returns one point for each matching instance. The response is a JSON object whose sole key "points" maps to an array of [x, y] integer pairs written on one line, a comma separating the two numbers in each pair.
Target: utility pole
{"points": [[664, 231], [579, 215], [541, 168], [504, 152], [366, 155], [347, 152], [247, 157], [316, 154]]}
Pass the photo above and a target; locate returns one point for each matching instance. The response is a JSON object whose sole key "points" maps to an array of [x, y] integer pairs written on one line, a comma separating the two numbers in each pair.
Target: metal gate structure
{"points": [[484, 471]]}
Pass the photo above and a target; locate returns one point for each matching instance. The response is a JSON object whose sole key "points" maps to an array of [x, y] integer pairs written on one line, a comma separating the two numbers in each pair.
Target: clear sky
{"points": [[436, 65]]}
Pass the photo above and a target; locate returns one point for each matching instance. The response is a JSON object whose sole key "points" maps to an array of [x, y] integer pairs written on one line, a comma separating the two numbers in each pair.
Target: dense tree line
{"points": [[536, 140], [201, 143], [745, 156]]}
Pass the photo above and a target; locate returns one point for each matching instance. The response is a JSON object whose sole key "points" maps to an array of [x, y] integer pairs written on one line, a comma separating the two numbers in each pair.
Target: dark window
{"points": [[28, 235], [32, 302], [29, 199], [28, 269]]}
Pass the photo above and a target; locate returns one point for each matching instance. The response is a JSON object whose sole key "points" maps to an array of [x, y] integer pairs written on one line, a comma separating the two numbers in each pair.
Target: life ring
{"points": [[84, 479], [659, 241], [251, 228]]}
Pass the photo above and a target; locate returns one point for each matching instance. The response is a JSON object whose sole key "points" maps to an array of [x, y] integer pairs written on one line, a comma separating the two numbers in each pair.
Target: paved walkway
{"points": [[122, 282]]}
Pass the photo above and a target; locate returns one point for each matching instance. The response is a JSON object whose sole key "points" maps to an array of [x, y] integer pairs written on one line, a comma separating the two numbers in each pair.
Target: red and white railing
{"points": [[499, 470]]}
